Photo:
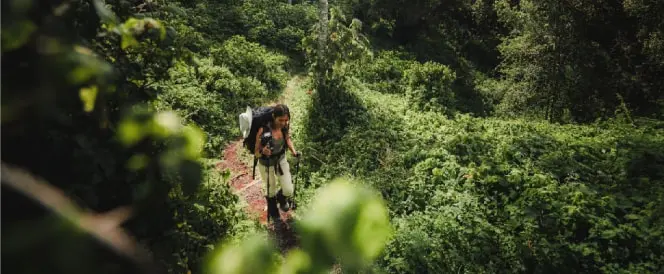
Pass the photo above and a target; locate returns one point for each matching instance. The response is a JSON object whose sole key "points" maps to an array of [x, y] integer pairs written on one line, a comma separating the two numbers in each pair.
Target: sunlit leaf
{"points": [[341, 214], [128, 40], [195, 141], [88, 96], [61, 9], [87, 65], [297, 261], [130, 132], [372, 229], [81, 74], [83, 50], [253, 255], [166, 123]]}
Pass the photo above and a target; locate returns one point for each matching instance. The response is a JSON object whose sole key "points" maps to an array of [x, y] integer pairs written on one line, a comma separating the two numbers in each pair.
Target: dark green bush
{"points": [[198, 223]]}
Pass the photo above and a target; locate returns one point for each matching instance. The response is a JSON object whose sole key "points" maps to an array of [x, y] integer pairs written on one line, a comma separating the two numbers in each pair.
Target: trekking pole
{"points": [[267, 199], [297, 173]]}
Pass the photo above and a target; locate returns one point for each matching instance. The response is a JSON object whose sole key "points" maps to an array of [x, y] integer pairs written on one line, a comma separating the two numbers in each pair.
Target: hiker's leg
{"points": [[285, 180], [286, 191], [265, 172]]}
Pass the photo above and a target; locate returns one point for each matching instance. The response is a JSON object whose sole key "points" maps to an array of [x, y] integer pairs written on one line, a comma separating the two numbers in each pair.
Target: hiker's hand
{"points": [[297, 154], [267, 151]]}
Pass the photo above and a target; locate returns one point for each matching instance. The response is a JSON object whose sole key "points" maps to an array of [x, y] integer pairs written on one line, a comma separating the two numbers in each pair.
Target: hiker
{"points": [[270, 149]]}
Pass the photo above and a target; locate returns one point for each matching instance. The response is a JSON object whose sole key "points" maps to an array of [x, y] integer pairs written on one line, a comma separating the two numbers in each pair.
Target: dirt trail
{"points": [[252, 190]]}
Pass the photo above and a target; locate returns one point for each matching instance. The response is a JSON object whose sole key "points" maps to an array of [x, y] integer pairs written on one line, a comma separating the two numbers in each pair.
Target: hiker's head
{"points": [[280, 116]]}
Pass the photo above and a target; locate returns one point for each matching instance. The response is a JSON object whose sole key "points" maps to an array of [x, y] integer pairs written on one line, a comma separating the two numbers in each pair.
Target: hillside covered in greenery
{"points": [[486, 136]]}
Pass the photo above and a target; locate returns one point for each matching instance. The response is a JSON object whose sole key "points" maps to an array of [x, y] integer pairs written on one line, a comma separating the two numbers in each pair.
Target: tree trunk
{"points": [[322, 38]]}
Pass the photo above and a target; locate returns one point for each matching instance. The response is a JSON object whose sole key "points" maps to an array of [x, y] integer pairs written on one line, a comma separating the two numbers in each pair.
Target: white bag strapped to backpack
{"points": [[245, 122]]}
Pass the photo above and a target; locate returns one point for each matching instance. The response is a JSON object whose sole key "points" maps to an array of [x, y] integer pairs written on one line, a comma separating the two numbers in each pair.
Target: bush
{"points": [[277, 24], [210, 96], [252, 60], [385, 72], [429, 86], [451, 236]]}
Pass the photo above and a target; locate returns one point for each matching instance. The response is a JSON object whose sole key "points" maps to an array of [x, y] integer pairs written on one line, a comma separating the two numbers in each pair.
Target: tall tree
{"points": [[322, 66]]}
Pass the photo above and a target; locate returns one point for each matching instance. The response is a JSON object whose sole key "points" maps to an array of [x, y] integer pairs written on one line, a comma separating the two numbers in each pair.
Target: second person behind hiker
{"points": [[271, 144]]}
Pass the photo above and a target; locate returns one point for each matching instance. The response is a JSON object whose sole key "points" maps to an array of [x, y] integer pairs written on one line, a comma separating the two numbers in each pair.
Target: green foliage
{"points": [[559, 63], [252, 60], [488, 195], [211, 93], [460, 34], [277, 24], [429, 86], [331, 61], [344, 44], [385, 72], [347, 223], [333, 112], [200, 221], [97, 122], [100, 119], [557, 198], [451, 236]]}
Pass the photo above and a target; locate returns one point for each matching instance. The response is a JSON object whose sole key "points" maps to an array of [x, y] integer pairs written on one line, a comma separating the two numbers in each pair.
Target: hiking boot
{"points": [[283, 202], [272, 209]]}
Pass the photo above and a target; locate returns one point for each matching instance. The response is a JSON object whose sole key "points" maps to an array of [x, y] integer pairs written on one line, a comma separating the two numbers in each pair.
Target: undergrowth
{"points": [[480, 195]]}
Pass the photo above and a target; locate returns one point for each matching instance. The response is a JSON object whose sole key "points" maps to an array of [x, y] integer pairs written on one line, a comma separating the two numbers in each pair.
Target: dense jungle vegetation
{"points": [[484, 136]]}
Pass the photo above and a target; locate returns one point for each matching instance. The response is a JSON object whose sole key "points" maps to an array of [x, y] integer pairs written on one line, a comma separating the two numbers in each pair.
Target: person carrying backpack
{"points": [[271, 143]]}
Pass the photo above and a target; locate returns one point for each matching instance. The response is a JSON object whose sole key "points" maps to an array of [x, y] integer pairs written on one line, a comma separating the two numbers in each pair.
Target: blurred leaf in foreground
{"points": [[347, 223]]}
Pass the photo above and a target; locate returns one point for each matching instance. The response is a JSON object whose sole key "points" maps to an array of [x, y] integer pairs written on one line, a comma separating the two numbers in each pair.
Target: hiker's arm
{"points": [[290, 144]]}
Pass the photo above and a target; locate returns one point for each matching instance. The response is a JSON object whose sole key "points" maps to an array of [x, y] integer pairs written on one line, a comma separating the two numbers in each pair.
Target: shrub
{"points": [[429, 86], [385, 72], [210, 96], [451, 236], [250, 59], [277, 24]]}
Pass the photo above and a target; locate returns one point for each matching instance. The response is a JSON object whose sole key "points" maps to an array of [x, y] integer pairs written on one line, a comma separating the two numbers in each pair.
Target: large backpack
{"points": [[250, 121]]}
